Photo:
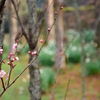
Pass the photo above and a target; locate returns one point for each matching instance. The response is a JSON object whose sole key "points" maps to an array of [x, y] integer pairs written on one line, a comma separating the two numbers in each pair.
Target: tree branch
{"points": [[2, 3], [22, 28]]}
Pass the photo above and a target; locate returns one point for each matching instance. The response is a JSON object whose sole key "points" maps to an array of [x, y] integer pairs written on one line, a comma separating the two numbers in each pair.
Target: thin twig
{"points": [[19, 20], [44, 16], [18, 4], [82, 51], [53, 90], [49, 32], [67, 89], [3, 83], [9, 75]]}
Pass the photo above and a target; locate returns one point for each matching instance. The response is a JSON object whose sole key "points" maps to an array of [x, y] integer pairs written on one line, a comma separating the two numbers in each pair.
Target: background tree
{"points": [[59, 36], [12, 25], [50, 18]]}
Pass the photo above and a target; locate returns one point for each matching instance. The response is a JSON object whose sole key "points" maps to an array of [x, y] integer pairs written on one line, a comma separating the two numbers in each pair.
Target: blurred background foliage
{"points": [[72, 47]]}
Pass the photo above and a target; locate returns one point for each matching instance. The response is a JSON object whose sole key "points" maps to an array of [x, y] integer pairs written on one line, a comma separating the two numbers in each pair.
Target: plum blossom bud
{"points": [[15, 46], [17, 41], [61, 7], [29, 52], [16, 58], [12, 65], [11, 54], [34, 53], [8, 57], [55, 12], [48, 29], [17, 50], [8, 63], [4, 61], [1, 50], [2, 73], [42, 41], [12, 59]]}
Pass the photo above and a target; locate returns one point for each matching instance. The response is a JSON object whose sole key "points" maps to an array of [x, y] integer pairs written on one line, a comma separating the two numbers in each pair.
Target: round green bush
{"points": [[92, 67], [47, 78], [23, 50], [46, 56], [88, 35], [5, 48], [74, 54], [73, 34], [89, 50]]}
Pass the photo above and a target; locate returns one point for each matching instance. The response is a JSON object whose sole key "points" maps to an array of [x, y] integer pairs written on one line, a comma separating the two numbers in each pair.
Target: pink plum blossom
{"points": [[1, 50], [15, 46], [2, 73]]}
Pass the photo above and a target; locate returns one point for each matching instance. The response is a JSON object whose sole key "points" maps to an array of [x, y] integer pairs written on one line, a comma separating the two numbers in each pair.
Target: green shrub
{"points": [[73, 34], [5, 48], [74, 54], [89, 50], [23, 50], [92, 67], [74, 51], [47, 78], [46, 56], [88, 35]]}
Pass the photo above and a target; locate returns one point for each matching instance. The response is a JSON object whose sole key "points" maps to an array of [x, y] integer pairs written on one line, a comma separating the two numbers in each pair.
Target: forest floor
{"points": [[19, 90], [74, 89]]}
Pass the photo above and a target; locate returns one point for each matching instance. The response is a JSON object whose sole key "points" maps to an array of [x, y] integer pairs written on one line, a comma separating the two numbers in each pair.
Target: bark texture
{"points": [[97, 33], [35, 80], [50, 19], [2, 2]]}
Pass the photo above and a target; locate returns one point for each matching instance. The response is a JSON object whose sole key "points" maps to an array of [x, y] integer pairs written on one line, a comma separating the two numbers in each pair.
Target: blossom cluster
{"points": [[2, 73], [1, 50]]}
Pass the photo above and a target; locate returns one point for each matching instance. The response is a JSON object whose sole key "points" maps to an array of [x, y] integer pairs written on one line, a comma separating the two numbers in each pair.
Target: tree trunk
{"points": [[59, 38], [13, 27], [97, 33], [50, 19], [2, 3], [35, 80], [1, 35]]}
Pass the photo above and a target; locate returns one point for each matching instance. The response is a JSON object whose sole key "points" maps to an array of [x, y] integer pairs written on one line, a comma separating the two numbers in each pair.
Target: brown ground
{"points": [[92, 86]]}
